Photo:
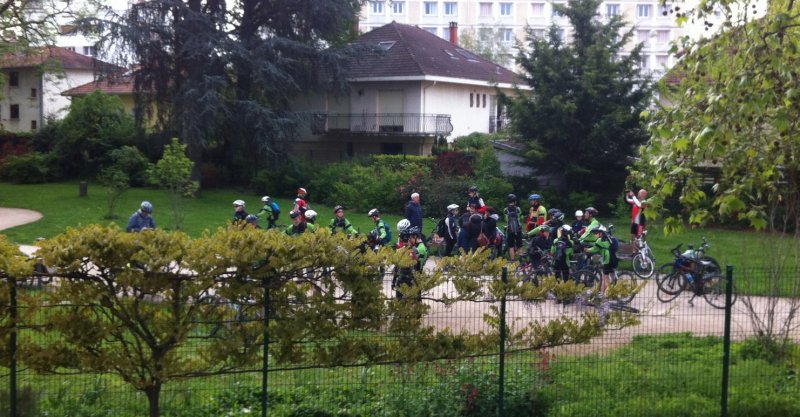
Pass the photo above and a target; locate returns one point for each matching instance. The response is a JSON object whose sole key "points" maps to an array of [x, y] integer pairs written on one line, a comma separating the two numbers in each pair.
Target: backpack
{"points": [[441, 228], [276, 209], [560, 257], [613, 261], [388, 233], [513, 221]]}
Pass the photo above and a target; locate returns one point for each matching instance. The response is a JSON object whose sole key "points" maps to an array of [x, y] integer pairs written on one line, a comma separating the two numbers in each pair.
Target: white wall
{"points": [[29, 107], [454, 99], [53, 103]]}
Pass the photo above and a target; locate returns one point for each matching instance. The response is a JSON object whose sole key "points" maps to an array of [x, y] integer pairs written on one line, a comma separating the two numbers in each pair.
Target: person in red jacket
{"points": [[638, 204]]}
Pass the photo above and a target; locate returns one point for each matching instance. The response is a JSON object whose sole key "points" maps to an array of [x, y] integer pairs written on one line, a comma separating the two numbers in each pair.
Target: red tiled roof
{"points": [[110, 85], [66, 58], [416, 52]]}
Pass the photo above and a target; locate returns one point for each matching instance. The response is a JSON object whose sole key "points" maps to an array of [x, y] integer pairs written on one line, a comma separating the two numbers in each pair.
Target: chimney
{"points": [[454, 33]]}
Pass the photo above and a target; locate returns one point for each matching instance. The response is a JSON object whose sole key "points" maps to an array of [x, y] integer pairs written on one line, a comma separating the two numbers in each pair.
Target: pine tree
{"points": [[581, 118]]}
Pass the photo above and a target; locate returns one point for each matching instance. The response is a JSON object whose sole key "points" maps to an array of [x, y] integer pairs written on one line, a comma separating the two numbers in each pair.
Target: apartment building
{"points": [[655, 25]]}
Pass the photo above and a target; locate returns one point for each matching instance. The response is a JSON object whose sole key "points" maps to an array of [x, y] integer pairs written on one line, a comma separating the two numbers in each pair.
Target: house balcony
{"points": [[499, 123], [381, 124]]}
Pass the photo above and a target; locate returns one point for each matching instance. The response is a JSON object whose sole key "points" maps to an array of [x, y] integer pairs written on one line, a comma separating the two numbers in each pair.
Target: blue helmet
{"points": [[146, 207], [534, 197]]}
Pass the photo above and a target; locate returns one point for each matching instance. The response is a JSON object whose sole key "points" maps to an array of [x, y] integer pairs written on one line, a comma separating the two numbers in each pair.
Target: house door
{"points": [[390, 110]]}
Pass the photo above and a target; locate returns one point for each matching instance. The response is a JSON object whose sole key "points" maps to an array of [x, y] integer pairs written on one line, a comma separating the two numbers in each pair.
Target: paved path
{"points": [[12, 217]]}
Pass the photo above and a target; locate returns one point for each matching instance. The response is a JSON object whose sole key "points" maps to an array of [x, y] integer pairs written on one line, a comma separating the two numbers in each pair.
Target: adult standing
{"points": [[451, 229], [537, 214], [414, 211], [513, 226], [638, 205], [142, 219]]}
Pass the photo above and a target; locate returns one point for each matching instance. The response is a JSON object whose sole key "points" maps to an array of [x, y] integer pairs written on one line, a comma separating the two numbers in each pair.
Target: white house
{"points": [[34, 83], [413, 88]]}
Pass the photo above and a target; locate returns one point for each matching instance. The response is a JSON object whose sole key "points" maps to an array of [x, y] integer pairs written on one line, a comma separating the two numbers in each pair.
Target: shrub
{"points": [[454, 163], [132, 162], [472, 142], [31, 168], [284, 180]]}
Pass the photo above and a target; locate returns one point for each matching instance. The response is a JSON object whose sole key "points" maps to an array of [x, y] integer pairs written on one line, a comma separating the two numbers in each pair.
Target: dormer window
{"points": [[386, 45]]}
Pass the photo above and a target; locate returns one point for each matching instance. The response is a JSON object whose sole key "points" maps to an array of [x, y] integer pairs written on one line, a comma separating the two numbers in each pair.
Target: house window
{"points": [[662, 61], [556, 12], [644, 11], [662, 36], [398, 7], [14, 108], [484, 101], [13, 79], [643, 36], [89, 50], [664, 10], [377, 7], [70, 48], [34, 93], [450, 8], [612, 9], [431, 9], [471, 102], [505, 9], [645, 64], [33, 124], [537, 9], [485, 9], [507, 35], [432, 30]]}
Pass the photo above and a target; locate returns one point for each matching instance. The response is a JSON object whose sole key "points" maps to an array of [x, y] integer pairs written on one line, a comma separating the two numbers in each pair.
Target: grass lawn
{"points": [[62, 208], [748, 251]]}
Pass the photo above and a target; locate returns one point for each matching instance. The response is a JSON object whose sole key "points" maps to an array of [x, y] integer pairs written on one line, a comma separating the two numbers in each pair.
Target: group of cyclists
{"points": [[548, 235]]}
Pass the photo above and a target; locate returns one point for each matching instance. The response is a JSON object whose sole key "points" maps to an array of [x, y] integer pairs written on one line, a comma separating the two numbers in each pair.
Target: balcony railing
{"points": [[382, 124], [498, 123]]}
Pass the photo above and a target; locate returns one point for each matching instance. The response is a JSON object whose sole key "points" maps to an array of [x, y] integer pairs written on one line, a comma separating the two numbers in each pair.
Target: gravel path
{"points": [[12, 217]]}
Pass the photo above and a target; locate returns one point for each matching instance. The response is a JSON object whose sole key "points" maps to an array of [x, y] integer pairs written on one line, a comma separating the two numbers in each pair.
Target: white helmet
{"points": [[238, 203], [452, 207], [310, 214], [403, 225], [373, 212], [266, 199], [579, 213], [566, 227]]}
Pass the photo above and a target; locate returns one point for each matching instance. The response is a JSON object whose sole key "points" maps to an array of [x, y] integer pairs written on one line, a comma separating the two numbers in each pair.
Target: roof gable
{"points": [[66, 58], [410, 51]]}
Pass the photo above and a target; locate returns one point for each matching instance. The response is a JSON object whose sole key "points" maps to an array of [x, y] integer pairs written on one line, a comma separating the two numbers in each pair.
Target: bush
{"points": [[284, 180], [454, 163], [31, 168], [133, 163]]}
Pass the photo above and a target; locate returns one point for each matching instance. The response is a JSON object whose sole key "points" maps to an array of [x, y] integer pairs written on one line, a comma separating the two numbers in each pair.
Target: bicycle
{"points": [[700, 276], [531, 273], [644, 262], [590, 275]]}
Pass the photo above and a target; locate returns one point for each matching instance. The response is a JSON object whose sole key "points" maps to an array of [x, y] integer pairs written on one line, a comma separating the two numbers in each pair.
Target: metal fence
{"points": [[678, 345]]}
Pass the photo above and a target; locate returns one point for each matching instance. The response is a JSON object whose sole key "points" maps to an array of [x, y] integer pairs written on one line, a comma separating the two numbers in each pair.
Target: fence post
{"points": [[12, 349], [501, 379], [726, 346], [265, 359]]}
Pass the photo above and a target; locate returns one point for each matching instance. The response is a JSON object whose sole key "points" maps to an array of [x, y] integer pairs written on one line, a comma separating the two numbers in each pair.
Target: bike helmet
{"points": [[146, 207], [533, 197], [567, 228], [294, 214], [511, 198], [337, 208], [404, 234], [251, 218], [310, 215], [403, 225], [473, 189], [558, 215], [266, 199], [591, 210], [452, 207], [414, 231], [374, 212], [238, 203], [600, 229], [301, 191], [578, 213]]}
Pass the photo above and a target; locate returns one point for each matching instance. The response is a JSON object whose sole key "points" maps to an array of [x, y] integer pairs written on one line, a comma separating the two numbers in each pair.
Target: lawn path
{"points": [[12, 217]]}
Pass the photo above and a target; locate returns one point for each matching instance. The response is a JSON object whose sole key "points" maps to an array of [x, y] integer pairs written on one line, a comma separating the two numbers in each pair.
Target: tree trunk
{"points": [[153, 398]]}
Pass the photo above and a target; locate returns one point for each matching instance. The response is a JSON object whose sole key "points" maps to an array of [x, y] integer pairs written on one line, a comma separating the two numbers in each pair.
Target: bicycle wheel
{"points": [[643, 266], [713, 268], [628, 281], [714, 291], [663, 271], [671, 286], [587, 277]]}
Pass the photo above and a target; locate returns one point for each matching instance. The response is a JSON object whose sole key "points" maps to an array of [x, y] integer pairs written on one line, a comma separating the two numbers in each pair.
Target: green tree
{"points": [[488, 43], [581, 117], [173, 173], [222, 75], [725, 147], [95, 125]]}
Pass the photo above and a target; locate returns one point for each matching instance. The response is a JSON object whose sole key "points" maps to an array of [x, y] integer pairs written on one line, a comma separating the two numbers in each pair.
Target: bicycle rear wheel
{"points": [[714, 291], [643, 266], [628, 282]]}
